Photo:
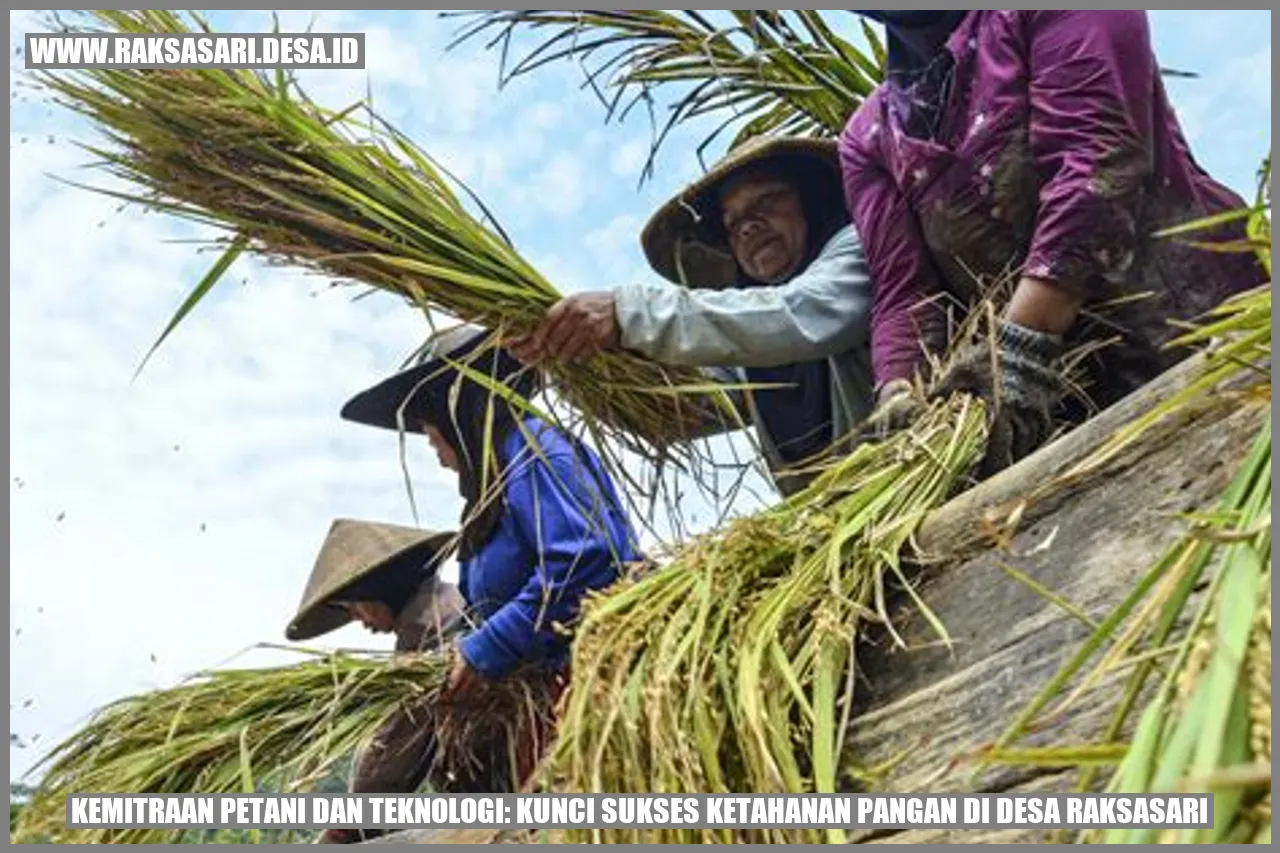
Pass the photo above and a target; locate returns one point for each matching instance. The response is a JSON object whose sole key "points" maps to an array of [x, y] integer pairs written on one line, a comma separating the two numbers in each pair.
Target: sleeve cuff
{"points": [[628, 310], [486, 654]]}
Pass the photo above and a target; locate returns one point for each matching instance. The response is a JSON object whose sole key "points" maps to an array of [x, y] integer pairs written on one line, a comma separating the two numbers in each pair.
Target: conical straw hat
{"points": [[676, 239], [353, 551]]}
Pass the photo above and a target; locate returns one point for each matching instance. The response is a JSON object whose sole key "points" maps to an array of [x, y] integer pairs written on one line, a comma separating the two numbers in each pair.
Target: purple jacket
{"points": [[1057, 154]]}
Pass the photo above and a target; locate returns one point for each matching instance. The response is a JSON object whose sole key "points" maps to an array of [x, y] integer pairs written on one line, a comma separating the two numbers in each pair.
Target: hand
{"points": [[898, 404], [575, 329], [463, 682], [523, 349], [1020, 385]]}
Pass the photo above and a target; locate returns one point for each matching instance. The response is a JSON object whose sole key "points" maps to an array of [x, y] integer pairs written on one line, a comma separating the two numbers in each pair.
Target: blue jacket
{"points": [[564, 532]]}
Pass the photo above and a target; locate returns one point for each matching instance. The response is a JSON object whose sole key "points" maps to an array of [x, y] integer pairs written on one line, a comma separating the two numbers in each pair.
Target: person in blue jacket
{"points": [[542, 522]]}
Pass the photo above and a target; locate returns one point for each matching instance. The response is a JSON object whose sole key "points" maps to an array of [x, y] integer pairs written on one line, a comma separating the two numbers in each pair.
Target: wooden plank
{"points": [[963, 836], [953, 529], [1007, 640], [440, 836]]}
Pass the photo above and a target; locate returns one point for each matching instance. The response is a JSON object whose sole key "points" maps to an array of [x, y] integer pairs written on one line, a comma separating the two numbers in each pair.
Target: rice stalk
{"points": [[725, 670], [1199, 723], [778, 72], [356, 200], [282, 729]]}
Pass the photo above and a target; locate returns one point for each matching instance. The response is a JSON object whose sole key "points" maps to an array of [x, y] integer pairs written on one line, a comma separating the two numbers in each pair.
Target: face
{"points": [[764, 220], [374, 615], [444, 451]]}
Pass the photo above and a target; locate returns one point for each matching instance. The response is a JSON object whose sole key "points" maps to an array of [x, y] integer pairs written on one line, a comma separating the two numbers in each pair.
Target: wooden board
{"points": [[439, 836], [929, 706]]}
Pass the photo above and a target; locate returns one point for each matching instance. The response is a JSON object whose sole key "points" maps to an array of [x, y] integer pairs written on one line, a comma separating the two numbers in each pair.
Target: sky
{"points": [[166, 524]]}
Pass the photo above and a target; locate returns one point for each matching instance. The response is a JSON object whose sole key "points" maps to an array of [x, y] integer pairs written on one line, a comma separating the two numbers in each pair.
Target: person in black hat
{"points": [[542, 522], [383, 576]]}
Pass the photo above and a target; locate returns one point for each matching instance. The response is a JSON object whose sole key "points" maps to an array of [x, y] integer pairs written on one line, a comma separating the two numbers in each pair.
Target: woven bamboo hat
{"points": [[683, 239], [353, 553]]}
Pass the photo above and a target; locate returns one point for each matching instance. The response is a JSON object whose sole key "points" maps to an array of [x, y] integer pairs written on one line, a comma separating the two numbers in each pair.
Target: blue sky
{"points": [[164, 525]]}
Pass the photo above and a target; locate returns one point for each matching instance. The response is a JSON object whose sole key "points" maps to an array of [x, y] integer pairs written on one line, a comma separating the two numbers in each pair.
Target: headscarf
{"points": [[463, 415], [916, 38], [920, 66]]}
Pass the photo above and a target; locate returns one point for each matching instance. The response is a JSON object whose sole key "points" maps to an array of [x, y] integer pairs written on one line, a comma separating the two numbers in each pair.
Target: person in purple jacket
{"points": [[541, 526], [1039, 144]]}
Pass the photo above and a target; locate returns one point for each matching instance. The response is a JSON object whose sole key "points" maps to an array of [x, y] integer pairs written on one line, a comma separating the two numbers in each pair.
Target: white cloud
{"points": [[616, 236], [560, 185], [1242, 83], [124, 546], [629, 158]]}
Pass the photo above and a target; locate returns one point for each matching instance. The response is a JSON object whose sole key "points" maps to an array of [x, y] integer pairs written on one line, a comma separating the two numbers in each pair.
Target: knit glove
{"points": [[1021, 386]]}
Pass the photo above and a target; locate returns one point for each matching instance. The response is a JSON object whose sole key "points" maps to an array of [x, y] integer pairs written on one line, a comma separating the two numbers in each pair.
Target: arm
{"points": [[579, 537], [1092, 78], [896, 254], [821, 312]]}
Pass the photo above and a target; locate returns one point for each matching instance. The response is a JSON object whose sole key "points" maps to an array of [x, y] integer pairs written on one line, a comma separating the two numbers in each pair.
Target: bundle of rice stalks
{"points": [[1208, 726], [297, 183], [1203, 730], [768, 71], [282, 729], [730, 668]]}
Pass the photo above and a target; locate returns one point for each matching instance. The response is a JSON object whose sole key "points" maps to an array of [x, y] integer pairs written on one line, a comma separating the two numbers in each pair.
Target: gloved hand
{"points": [[1020, 384]]}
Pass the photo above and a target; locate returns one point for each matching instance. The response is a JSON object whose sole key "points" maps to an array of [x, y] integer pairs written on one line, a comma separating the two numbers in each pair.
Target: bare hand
{"points": [[463, 682], [575, 329], [897, 407], [523, 349]]}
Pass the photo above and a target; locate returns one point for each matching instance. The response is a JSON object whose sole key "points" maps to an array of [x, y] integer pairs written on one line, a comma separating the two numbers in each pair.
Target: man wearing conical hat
{"points": [[771, 288]]}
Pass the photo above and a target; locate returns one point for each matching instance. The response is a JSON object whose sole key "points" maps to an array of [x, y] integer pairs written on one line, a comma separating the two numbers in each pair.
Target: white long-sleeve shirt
{"points": [[823, 312]]}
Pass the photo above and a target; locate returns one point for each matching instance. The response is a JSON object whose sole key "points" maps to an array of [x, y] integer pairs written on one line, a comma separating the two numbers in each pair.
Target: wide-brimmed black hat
{"points": [[402, 401]]}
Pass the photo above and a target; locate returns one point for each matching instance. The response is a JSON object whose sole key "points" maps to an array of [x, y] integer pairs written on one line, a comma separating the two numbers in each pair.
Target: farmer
{"points": [[542, 525], [1038, 145], [383, 576], [771, 287]]}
